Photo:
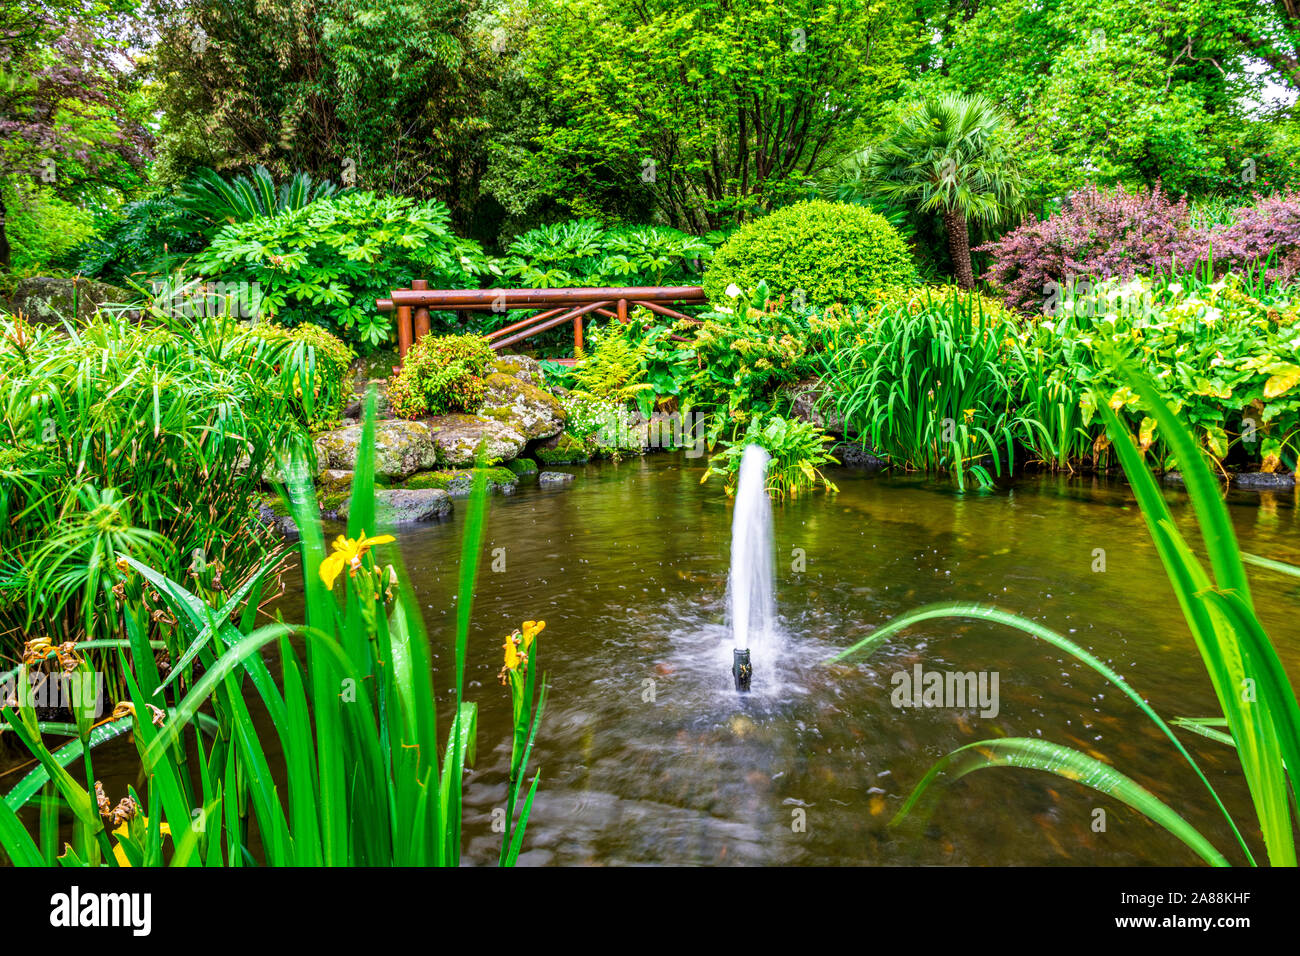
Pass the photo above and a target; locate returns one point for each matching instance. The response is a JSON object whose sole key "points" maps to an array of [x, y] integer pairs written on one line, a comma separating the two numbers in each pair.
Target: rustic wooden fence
{"points": [[555, 308]]}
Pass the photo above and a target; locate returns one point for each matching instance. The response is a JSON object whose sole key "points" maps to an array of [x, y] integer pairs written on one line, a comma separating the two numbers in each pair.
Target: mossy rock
{"points": [[527, 408], [522, 466], [566, 450], [459, 482]]}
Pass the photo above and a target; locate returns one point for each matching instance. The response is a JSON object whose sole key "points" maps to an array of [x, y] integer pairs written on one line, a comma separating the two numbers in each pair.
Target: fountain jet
{"points": [[750, 601]]}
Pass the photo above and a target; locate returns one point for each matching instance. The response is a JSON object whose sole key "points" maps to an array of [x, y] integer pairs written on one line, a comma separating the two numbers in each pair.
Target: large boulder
{"points": [[406, 505], [401, 448], [457, 438], [528, 409], [522, 367], [45, 300]]}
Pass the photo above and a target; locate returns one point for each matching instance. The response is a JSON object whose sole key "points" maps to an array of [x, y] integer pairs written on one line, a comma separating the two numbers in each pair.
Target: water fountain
{"points": [[751, 605]]}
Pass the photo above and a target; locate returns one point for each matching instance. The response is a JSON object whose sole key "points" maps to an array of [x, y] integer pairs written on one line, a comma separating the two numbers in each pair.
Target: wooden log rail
{"points": [[556, 307]]}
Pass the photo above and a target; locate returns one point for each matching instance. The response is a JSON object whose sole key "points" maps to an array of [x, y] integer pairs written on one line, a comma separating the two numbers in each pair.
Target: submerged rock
{"points": [[401, 448], [457, 437], [528, 409], [855, 455], [1265, 480], [554, 478], [406, 505]]}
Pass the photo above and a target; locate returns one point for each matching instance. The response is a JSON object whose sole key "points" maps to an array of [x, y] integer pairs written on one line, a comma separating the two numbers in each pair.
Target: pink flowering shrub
{"points": [[1104, 234]]}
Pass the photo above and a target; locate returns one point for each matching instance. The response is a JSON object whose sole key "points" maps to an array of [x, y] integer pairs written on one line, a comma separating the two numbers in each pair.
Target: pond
{"points": [[648, 755]]}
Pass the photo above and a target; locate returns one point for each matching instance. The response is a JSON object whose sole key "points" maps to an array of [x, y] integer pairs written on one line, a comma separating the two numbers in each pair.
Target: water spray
{"points": [[751, 605]]}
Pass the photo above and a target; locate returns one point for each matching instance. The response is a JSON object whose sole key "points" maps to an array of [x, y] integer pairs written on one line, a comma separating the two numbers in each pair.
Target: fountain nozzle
{"points": [[741, 669]]}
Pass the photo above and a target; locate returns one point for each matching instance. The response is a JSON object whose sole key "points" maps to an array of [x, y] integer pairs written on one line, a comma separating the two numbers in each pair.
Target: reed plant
{"points": [[1259, 715], [146, 438], [927, 382], [366, 777]]}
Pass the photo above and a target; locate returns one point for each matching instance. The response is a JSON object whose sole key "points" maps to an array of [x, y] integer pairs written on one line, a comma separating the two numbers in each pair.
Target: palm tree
{"points": [[949, 155]]}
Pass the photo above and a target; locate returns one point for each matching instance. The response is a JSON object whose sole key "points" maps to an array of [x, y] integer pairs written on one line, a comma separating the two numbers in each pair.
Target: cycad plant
{"points": [[1259, 714], [366, 778], [950, 155], [212, 202]]}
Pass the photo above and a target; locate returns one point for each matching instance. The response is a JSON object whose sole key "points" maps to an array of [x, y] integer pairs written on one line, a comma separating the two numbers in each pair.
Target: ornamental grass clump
{"points": [[358, 773], [442, 374]]}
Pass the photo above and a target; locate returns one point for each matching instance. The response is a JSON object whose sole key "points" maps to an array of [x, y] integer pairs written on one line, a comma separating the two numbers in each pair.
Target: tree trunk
{"points": [[959, 247]]}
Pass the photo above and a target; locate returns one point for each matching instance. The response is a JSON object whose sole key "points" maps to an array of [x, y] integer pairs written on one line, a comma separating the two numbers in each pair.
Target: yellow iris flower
{"points": [[531, 630], [348, 553], [124, 831]]}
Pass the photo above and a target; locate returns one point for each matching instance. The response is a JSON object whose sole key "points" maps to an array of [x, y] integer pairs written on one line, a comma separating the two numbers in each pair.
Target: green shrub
{"points": [[144, 240], [315, 365], [328, 262], [583, 252], [148, 441], [210, 202], [42, 228], [442, 374], [829, 252], [796, 447]]}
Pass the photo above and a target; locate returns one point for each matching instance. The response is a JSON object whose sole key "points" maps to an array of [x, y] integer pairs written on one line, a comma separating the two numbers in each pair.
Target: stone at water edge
{"points": [[806, 404], [459, 482], [562, 449], [1264, 480], [522, 466], [457, 438], [528, 409], [554, 478], [406, 505], [401, 448]]}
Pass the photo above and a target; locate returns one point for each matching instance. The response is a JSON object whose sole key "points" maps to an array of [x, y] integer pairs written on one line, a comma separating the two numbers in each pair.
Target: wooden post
{"points": [[421, 314], [622, 311], [577, 334], [403, 330]]}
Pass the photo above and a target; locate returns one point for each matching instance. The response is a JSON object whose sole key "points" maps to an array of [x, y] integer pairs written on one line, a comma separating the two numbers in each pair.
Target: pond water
{"points": [[648, 755]]}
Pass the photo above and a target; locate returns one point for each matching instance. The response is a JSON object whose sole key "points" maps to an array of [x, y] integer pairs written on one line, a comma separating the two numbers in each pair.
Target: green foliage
{"points": [[211, 202], [43, 228], [928, 382], [316, 364], [354, 778], [146, 239], [818, 251], [1263, 726], [442, 374], [582, 252], [712, 112], [329, 261], [126, 439], [612, 368], [1227, 360], [797, 449]]}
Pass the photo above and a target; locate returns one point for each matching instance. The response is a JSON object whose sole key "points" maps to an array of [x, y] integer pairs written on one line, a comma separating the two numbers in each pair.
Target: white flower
{"points": [[733, 290]]}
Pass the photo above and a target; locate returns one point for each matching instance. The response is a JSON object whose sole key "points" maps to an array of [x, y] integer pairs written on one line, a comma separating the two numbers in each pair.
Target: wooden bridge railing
{"points": [[556, 307]]}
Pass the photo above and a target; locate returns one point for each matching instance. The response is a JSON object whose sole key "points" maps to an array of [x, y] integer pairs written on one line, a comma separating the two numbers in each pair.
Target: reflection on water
{"points": [[648, 755]]}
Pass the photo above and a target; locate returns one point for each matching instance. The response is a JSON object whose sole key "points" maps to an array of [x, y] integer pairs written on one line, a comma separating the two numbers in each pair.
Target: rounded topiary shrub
{"points": [[441, 374], [832, 252]]}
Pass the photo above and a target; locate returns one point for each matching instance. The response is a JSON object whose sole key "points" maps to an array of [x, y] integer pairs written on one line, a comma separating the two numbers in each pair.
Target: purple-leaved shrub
{"points": [[1103, 234]]}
